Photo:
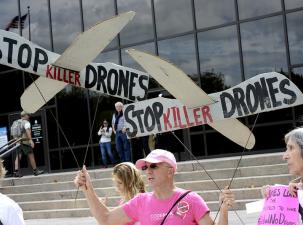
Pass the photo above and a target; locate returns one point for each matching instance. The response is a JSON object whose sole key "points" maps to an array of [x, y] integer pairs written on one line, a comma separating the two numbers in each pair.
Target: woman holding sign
{"points": [[294, 158]]}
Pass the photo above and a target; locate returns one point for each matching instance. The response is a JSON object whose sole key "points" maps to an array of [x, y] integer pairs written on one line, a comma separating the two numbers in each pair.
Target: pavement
{"points": [[250, 219]]}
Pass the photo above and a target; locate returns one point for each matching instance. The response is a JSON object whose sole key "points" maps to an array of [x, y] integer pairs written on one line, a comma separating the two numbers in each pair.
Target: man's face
{"points": [[293, 157], [158, 174]]}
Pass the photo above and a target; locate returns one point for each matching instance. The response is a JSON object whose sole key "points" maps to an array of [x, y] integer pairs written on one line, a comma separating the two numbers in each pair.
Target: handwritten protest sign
{"points": [[280, 207]]}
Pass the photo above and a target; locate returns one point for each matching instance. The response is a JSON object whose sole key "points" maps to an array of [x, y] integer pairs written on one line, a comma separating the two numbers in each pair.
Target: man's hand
{"points": [[226, 199], [82, 180], [32, 143]]}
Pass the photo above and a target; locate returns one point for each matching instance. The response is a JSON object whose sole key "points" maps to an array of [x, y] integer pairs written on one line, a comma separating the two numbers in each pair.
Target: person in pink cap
{"points": [[166, 204]]}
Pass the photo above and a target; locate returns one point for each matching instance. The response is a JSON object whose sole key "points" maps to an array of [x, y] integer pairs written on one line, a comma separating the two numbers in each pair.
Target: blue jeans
{"points": [[123, 146], [106, 147]]}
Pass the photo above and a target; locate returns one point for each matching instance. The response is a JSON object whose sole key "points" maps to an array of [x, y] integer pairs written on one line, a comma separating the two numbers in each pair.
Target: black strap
{"points": [[178, 200], [1, 223]]}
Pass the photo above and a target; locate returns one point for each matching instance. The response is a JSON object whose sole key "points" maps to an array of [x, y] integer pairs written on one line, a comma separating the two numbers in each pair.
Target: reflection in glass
{"points": [[291, 4], [95, 11], [111, 56], [73, 114], [39, 20], [215, 12], [66, 23], [181, 52], [140, 28], [8, 10], [263, 46], [11, 90], [295, 36], [219, 55], [248, 8], [173, 16], [297, 78], [127, 60]]}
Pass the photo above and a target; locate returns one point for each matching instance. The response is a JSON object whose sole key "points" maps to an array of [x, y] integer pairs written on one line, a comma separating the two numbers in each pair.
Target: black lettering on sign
{"points": [[226, 96], [286, 91], [41, 58], [123, 82], [11, 43], [112, 81], [24, 52], [126, 113], [158, 112], [273, 91], [90, 71], [149, 114], [240, 101], [0, 54], [132, 83], [262, 94], [251, 93], [144, 87], [102, 74], [138, 114]]}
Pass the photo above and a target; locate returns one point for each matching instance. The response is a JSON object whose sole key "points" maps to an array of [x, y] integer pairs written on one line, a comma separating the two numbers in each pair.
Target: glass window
{"points": [[52, 130], [263, 46], [141, 27], [173, 16], [295, 36], [181, 52], [128, 61], [96, 11], [255, 8], [39, 22], [271, 137], [297, 78], [65, 32], [290, 4], [73, 116], [8, 10], [11, 91], [111, 56], [219, 58], [197, 144], [219, 144], [215, 12]]}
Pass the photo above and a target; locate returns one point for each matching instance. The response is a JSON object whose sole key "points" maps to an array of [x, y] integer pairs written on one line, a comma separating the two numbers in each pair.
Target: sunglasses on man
{"points": [[152, 166]]}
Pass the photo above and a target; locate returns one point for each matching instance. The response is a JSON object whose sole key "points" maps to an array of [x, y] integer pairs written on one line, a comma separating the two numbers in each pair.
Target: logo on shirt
{"points": [[182, 209]]}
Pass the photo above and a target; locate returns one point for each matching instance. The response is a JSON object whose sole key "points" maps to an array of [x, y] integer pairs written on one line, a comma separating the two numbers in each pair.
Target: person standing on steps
{"points": [[26, 147], [122, 142]]}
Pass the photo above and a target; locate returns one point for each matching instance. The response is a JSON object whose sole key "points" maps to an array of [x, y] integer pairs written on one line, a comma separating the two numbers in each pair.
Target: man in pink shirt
{"points": [[152, 208]]}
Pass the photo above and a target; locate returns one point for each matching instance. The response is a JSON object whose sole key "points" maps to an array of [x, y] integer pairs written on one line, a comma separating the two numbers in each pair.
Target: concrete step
{"points": [[240, 182], [53, 195], [208, 164], [180, 176]]}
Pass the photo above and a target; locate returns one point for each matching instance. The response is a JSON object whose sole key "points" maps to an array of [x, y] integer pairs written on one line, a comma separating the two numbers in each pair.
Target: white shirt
{"points": [[10, 212], [105, 135]]}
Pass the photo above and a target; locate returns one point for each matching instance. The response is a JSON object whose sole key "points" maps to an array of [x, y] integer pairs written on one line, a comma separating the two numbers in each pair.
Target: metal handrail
{"points": [[9, 147]]}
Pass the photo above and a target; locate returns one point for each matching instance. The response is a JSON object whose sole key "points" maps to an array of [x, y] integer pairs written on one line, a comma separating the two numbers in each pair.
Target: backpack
{"points": [[17, 129]]}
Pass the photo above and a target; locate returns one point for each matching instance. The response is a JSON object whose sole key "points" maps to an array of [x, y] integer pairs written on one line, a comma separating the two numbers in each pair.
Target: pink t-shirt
{"points": [[149, 210]]}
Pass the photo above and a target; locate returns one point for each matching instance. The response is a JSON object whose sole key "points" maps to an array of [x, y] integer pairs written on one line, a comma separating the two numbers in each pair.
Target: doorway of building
{"points": [[38, 124]]}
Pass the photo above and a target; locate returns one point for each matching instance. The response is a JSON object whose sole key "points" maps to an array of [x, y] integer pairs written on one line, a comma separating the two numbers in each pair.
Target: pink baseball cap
{"points": [[157, 156]]}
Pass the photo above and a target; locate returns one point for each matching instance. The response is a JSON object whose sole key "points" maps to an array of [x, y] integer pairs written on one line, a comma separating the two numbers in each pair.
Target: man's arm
{"points": [[103, 215], [29, 136]]}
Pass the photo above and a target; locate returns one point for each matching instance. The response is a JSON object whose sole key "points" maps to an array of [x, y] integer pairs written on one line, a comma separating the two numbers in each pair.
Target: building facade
{"points": [[218, 43]]}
